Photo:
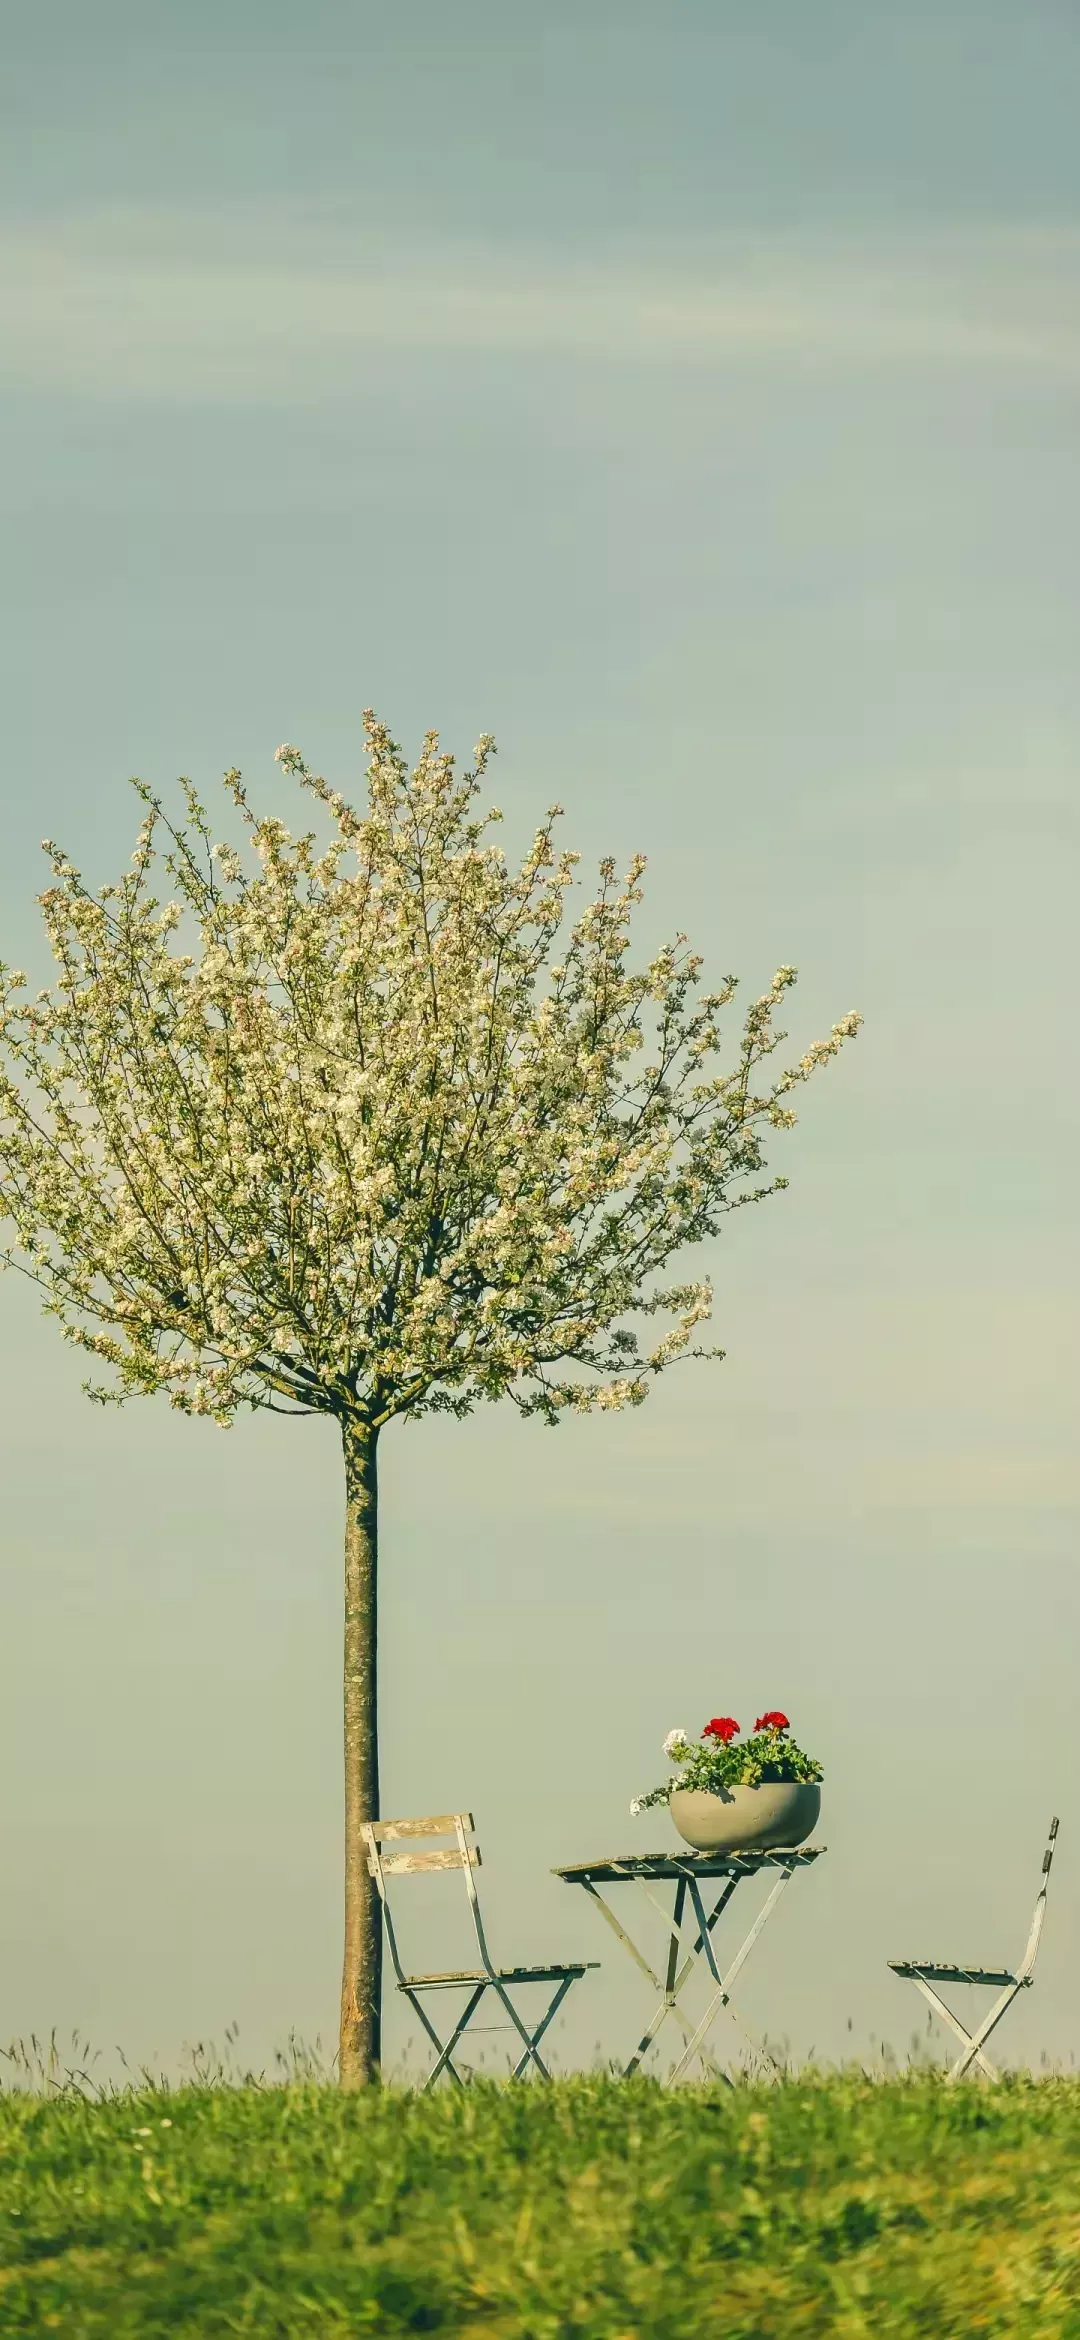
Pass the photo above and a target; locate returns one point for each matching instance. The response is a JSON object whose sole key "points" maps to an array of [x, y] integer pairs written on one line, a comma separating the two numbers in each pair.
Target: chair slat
{"points": [[407, 1863], [935, 1971], [503, 1974], [442, 1824]]}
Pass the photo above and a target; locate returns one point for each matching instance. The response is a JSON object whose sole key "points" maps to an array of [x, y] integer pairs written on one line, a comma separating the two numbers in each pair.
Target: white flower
{"points": [[636, 1806], [676, 1743]]}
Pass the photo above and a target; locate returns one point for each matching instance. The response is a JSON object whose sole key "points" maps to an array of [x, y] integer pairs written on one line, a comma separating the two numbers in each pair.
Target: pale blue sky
{"points": [[690, 396]]}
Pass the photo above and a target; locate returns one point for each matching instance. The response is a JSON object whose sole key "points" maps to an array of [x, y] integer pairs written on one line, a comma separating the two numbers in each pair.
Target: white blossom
{"points": [[369, 1144], [676, 1743]]}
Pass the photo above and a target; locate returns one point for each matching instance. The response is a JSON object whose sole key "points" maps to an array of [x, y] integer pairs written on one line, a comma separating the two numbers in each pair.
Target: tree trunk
{"points": [[361, 1980]]}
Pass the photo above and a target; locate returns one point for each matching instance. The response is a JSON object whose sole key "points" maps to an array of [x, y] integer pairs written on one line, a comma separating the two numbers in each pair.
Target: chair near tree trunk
{"points": [[925, 1972], [465, 1856]]}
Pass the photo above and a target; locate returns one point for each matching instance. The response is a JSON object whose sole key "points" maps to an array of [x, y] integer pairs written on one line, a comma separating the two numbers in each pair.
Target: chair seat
{"points": [[503, 1974], [934, 1971]]}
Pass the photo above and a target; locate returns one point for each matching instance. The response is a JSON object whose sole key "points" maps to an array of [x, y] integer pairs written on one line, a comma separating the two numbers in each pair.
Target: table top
{"points": [[614, 1868]]}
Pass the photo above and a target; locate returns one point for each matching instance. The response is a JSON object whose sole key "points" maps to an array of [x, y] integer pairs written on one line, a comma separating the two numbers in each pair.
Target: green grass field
{"points": [[825, 2205]]}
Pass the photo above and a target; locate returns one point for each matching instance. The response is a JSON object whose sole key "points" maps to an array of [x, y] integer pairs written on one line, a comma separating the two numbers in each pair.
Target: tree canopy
{"points": [[371, 1125]]}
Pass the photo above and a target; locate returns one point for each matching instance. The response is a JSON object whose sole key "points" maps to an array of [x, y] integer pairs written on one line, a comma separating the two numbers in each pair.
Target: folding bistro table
{"points": [[688, 1872]]}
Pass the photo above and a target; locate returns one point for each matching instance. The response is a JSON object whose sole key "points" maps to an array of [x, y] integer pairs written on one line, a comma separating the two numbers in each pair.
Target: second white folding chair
{"points": [[502, 1980], [925, 1972]]}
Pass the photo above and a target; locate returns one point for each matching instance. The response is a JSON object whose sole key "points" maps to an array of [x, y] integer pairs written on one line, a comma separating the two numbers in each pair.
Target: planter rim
{"points": [[741, 1786]]}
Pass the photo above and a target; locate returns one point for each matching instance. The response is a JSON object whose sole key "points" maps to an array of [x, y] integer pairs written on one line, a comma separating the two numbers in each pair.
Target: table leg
{"points": [[667, 2003], [676, 1975], [721, 1994], [706, 1925]]}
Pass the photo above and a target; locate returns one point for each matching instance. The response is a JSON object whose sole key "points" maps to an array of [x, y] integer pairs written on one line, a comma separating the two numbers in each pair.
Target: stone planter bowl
{"points": [[745, 1819]]}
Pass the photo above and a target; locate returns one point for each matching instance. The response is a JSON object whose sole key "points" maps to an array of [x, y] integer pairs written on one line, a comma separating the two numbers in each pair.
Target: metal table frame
{"points": [[688, 1872]]}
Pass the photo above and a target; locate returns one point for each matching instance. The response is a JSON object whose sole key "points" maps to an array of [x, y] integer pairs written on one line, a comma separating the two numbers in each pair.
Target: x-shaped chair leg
{"points": [[972, 2040], [1000, 2007], [444, 2055], [954, 2024], [530, 2054]]}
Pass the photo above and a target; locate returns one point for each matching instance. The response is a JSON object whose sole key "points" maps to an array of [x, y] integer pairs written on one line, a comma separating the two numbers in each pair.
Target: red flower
{"points": [[773, 1721], [722, 1726]]}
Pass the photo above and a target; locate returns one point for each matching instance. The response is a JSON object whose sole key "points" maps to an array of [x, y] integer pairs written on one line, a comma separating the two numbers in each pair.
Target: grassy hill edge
{"points": [[827, 2204]]}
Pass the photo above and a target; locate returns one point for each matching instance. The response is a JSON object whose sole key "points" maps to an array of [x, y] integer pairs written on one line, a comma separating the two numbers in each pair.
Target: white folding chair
{"points": [[477, 1980], [925, 1972]]}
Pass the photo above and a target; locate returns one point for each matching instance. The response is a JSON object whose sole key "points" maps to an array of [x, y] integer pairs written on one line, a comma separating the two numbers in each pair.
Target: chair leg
{"points": [[972, 2051], [444, 2055], [531, 2051], [530, 2055], [1001, 2007]]}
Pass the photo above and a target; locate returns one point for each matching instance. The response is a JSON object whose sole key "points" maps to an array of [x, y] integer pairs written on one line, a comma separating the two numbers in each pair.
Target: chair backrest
{"points": [[1031, 1953], [460, 1855]]}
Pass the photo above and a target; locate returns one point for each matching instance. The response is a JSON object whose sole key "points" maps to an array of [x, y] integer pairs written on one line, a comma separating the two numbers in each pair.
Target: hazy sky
{"points": [[690, 396]]}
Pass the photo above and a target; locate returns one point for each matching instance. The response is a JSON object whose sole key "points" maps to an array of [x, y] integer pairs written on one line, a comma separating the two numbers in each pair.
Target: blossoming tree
{"points": [[339, 1129]]}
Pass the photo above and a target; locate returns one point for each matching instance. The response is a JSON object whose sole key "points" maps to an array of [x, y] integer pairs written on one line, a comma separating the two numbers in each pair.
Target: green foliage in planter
{"points": [[722, 1758]]}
